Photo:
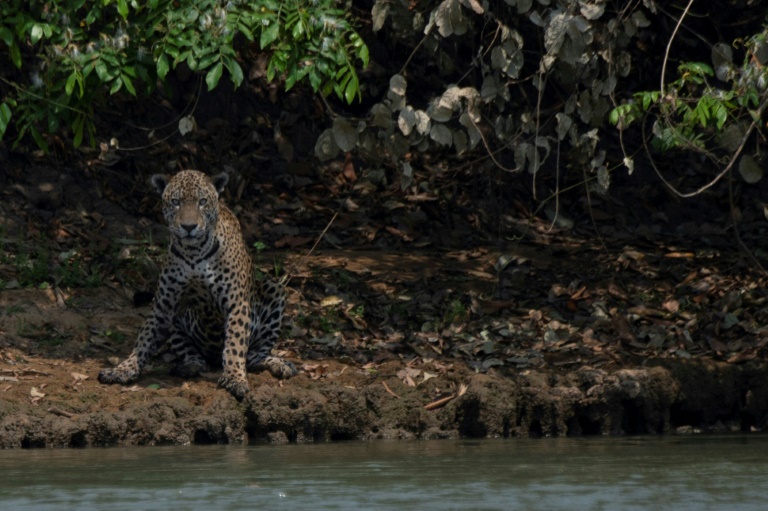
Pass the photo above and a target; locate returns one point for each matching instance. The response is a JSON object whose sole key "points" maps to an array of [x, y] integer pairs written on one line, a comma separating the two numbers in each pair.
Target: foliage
{"points": [[707, 109], [531, 83], [508, 96], [76, 52]]}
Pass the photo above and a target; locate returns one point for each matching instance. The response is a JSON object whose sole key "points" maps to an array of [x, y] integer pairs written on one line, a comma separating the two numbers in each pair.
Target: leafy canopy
{"points": [[75, 52]]}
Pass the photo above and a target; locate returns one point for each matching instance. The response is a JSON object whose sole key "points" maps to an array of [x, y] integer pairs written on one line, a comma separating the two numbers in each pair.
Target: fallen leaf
{"points": [[330, 301], [428, 376], [349, 169], [316, 371], [408, 374], [389, 390], [79, 376], [671, 305]]}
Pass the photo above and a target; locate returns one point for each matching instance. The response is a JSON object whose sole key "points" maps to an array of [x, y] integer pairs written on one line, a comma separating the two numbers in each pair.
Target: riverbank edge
{"points": [[664, 396]]}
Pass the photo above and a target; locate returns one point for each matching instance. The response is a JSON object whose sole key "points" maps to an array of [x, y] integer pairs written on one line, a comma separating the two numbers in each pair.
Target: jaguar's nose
{"points": [[188, 227]]}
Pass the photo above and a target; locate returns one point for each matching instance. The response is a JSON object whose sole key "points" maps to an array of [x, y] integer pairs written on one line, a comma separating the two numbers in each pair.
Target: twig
{"points": [[488, 148], [284, 281], [172, 133], [410, 57], [41, 98], [447, 399], [440, 402], [389, 390], [669, 46], [23, 372], [58, 411]]}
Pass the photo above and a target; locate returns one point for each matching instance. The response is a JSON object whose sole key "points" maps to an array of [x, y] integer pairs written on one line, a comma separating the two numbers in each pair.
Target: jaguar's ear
{"points": [[159, 181], [220, 181]]}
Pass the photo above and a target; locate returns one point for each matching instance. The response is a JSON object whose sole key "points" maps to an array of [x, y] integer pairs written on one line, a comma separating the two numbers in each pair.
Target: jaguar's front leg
{"points": [[149, 339], [233, 378], [155, 330]]}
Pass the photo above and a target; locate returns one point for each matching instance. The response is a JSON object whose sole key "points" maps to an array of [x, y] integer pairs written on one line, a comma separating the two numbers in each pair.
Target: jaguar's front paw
{"points": [[116, 375], [238, 387]]}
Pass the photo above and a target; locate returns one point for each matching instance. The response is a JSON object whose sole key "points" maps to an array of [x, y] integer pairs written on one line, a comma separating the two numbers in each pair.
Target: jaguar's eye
{"points": [[203, 202], [175, 202]]}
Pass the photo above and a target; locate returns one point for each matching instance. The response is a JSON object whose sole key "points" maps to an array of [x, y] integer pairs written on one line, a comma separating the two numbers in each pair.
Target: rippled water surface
{"points": [[676, 473]]}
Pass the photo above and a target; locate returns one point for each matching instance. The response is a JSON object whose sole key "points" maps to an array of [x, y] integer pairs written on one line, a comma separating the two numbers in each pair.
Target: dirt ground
{"points": [[455, 311], [55, 341]]}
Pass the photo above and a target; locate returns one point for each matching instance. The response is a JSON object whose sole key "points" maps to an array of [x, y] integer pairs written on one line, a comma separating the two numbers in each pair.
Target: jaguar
{"points": [[209, 306]]}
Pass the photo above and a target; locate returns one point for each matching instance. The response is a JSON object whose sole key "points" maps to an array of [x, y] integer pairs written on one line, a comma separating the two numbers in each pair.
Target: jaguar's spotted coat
{"points": [[207, 296]]}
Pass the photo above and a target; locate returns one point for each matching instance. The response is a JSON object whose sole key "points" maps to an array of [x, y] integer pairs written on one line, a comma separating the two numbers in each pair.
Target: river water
{"points": [[695, 473]]}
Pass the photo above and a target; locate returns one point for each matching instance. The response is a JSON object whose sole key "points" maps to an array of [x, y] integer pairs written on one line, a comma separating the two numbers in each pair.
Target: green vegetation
{"points": [[704, 109], [115, 336], [456, 312], [72, 54], [513, 88]]}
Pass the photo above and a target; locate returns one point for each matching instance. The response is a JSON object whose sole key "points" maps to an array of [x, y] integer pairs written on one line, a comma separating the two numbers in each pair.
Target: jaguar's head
{"points": [[190, 204]]}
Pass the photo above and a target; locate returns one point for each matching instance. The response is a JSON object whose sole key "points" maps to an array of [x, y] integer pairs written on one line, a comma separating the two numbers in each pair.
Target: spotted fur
{"points": [[207, 297]]}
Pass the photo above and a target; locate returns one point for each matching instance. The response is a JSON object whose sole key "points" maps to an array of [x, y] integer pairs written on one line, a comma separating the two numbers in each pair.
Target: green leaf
{"points": [[6, 36], [613, 117], [91, 133], [700, 68], [16, 55], [291, 78], [110, 59], [214, 75], [363, 55], [352, 89], [77, 128], [298, 30], [269, 34], [70, 85], [36, 33], [721, 114], [162, 66], [128, 84], [116, 85], [172, 50], [314, 79], [5, 118], [39, 140], [122, 8], [235, 71], [191, 16], [245, 30], [206, 61], [101, 71], [181, 57]]}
